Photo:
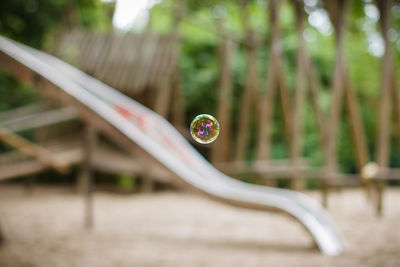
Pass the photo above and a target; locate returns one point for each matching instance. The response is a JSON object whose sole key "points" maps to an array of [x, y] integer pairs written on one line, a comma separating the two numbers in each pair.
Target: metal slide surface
{"points": [[163, 142]]}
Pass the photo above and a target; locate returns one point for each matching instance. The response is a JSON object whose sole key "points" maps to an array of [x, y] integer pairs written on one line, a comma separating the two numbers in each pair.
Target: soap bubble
{"points": [[204, 128]]}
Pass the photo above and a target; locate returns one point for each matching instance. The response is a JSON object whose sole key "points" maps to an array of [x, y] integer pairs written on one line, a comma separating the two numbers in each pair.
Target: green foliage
{"points": [[29, 21], [199, 64], [14, 94]]}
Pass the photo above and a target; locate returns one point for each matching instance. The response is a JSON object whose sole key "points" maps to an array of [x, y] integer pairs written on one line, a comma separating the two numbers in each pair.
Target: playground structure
{"points": [[140, 85], [126, 121]]}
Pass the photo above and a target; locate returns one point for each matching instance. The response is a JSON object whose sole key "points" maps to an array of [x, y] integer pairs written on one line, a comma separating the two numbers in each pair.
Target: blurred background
{"points": [[306, 93]]}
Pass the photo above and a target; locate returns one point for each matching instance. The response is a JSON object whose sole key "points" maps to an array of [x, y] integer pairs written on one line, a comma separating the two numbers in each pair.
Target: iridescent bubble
{"points": [[204, 128]]}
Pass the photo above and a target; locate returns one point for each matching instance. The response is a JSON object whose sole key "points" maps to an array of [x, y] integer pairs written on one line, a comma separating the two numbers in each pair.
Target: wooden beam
{"points": [[21, 169], [18, 167], [21, 111], [40, 119], [32, 150]]}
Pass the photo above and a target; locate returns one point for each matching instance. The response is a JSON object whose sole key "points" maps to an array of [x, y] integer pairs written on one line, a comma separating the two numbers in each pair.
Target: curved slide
{"points": [[156, 136]]}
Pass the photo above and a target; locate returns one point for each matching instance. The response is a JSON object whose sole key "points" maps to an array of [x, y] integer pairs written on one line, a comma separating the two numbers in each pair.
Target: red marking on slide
{"points": [[140, 121], [137, 119], [124, 112]]}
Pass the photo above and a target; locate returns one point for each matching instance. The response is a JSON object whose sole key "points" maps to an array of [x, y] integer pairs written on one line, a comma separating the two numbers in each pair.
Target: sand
{"points": [[182, 229]]}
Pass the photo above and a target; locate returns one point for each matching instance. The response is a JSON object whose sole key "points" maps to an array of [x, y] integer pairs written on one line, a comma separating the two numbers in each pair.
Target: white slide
{"points": [[162, 141]]}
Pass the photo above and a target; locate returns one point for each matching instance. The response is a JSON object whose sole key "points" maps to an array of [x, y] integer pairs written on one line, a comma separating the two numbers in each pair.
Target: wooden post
{"points": [[336, 11], [299, 99], [388, 89], [221, 148], [341, 85], [88, 175], [275, 80], [306, 78], [249, 97]]}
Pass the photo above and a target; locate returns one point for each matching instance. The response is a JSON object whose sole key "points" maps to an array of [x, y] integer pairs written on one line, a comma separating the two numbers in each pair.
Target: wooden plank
{"points": [[258, 166]]}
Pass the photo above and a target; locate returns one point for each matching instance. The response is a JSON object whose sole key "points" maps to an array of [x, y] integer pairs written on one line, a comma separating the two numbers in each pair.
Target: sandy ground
{"points": [[176, 229]]}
